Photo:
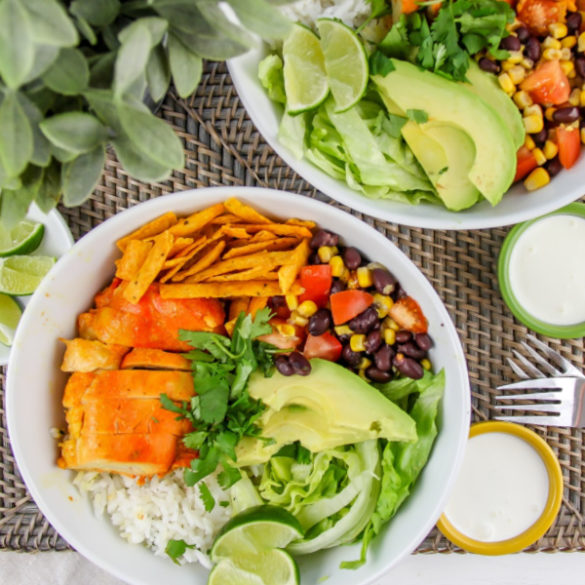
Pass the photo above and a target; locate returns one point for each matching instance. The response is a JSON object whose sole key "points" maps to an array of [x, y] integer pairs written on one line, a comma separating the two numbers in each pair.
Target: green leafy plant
{"points": [[74, 77]]}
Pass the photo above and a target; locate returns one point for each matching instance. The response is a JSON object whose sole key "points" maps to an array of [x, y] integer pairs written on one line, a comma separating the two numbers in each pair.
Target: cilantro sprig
{"points": [[222, 411]]}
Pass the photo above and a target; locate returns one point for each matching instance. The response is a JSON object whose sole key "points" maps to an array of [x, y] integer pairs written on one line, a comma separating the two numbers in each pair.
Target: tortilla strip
{"points": [[132, 259], [287, 274], [184, 257], [225, 218], [251, 288], [204, 262], [196, 220], [270, 246], [237, 305], [279, 229], [302, 222], [152, 228], [262, 236], [257, 303], [251, 274], [244, 211], [179, 245], [150, 269]]}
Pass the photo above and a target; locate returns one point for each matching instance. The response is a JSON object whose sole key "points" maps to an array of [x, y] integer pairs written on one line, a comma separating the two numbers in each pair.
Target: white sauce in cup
{"points": [[501, 490], [547, 269]]}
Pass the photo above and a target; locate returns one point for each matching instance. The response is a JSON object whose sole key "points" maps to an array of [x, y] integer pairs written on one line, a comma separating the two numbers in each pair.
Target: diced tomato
{"points": [[325, 346], [526, 162], [316, 280], [408, 314], [347, 304], [569, 143], [284, 335], [538, 14], [548, 84]]}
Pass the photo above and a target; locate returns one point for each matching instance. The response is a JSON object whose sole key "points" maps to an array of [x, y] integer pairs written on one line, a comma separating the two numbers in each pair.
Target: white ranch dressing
{"points": [[547, 269], [501, 490]]}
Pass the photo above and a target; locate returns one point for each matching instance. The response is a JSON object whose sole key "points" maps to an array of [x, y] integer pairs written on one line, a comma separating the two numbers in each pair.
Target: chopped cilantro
{"points": [[380, 64], [206, 497], [176, 549], [418, 116]]}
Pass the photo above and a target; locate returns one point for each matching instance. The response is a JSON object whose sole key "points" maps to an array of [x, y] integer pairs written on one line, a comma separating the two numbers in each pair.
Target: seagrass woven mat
{"points": [[224, 148]]}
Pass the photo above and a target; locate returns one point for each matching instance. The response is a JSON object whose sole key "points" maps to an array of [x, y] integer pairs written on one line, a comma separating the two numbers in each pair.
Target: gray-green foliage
{"points": [[74, 75]]}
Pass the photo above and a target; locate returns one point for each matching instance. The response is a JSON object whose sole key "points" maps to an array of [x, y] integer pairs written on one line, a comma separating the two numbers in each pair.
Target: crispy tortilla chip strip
{"points": [[257, 303], [185, 256], [206, 260], [287, 274], [225, 218], [197, 220], [236, 232], [179, 245], [237, 305], [135, 254], [244, 211], [270, 246], [255, 273], [251, 288], [262, 236], [280, 229], [152, 228], [302, 222], [151, 267]]}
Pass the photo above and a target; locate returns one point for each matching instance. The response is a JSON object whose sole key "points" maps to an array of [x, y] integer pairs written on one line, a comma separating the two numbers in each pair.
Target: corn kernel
{"points": [[426, 364], [515, 57], [364, 276], [507, 65], [582, 99], [390, 336], [569, 68], [352, 280], [550, 149], [533, 110], [551, 54], [286, 329], [365, 363], [575, 97], [566, 54], [558, 30], [581, 43], [569, 42], [506, 83], [548, 113], [326, 253], [391, 324], [551, 43], [582, 135], [517, 74], [529, 142], [307, 309], [538, 178], [297, 319], [292, 302], [533, 124], [539, 156], [522, 99], [383, 304], [345, 275], [337, 266], [343, 330], [527, 63], [357, 342]]}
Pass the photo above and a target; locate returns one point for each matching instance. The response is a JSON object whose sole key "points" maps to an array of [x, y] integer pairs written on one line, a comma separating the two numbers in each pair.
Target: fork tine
{"points": [[540, 383], [552, 421], [569, 368], [546, 366], [551, 395], [550, 408], [533, 371]]}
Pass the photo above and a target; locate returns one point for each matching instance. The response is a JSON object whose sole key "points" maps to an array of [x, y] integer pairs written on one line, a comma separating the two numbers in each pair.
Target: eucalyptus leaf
{"points": [[49, 191], [101, 71], [182, 15], [85, 29], [218, 19], [262, 18], [62, 155], [137, 163], [16, 137], [41, 148], [74, 131], [157, 27], [186, 67], [158, 73], [44, 57], [96, 12], [80, 176], [103, 104], [15, 202], [50, 23], [42, 97], [132, 58], [16, 43], [69, 74]]}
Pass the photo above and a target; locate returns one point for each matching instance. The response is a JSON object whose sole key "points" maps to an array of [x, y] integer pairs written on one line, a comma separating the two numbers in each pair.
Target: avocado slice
{"points": [[486, 86], [411, 88], [328, 408], [446, 153]]}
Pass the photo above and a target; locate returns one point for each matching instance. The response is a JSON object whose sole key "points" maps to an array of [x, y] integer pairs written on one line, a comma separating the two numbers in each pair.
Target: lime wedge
{"points": [[257, 529], [24, 238], [346, 62], [305, 79], [273, 567], [20, 275], [10, 313]]}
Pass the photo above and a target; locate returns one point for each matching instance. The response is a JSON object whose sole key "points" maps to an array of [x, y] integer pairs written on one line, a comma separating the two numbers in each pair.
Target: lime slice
{"points": [[346, 62], [273, 567], [24, 238], [256, 530], [10, 313], [20, 275], [305, 79]]}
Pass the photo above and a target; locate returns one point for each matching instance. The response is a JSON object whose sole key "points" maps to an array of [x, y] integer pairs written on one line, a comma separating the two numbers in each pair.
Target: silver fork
{"points": [[563, 402]]}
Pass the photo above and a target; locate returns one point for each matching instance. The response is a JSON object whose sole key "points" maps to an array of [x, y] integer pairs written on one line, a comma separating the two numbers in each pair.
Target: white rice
{"points": [[351, 12], [159, 510]]}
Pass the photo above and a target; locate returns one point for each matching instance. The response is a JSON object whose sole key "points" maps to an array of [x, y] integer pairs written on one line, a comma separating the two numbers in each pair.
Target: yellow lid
{"points": [[551, 508]]}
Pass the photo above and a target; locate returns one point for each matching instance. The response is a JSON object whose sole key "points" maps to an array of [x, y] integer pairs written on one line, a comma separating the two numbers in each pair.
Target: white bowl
{"points": [[517, 205], [35, 386]]}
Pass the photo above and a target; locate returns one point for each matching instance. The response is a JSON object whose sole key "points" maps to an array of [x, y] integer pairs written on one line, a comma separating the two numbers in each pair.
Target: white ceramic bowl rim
{"points": [[33, 380]]}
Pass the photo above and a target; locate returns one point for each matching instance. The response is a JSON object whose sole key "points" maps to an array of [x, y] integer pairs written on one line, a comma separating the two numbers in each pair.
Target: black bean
{"points": [[488, 65], [314, 258], [364, 321], [403, 336], [423, 341], [412, 350], [408, 367], [383, 358], [532, 49], [283, 365], [373, 341], [319, 322], [336, 286], [384, 281], [401, 293], [566, 115], [350, 357], [554, 166], [352, 258], [580, 65], [522, 33], [299, 363], [378, 375], [574, 20], [277, 302], [511, 43], [324, 238], [540, 137]]}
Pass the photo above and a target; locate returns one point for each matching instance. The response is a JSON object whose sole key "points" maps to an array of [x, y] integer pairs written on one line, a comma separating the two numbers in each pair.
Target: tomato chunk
{"points": [[316, 280], [548, 84], [526, 162], [408, 314], [569, 143], [538, 14], [347, 304], [284, 335], [325, 346]]}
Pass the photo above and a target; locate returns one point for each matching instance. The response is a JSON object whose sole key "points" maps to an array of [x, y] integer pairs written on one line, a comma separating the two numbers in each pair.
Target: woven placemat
{"points": [[224, 148]]}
